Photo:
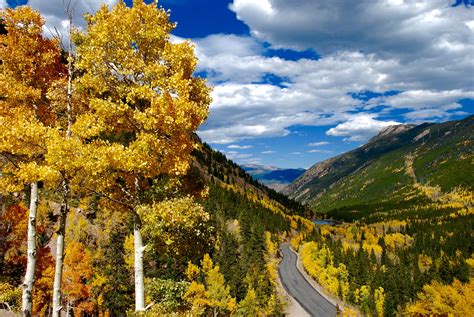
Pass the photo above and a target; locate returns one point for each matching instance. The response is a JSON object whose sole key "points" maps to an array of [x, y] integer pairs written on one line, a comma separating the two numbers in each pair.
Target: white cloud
{"points": [[321, 143], [386, 27], [317, 92], [422, 99], [242, 158], [268, 152], [295, 153], [3, 4], [228, 44], [53, 12], [359, 128], [235, 132], [240, 147]]}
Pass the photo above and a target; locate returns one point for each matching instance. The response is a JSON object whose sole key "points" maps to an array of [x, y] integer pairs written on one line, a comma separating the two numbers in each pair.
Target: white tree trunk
{"points": [[58, 272], [27, 297], [138, 266]]}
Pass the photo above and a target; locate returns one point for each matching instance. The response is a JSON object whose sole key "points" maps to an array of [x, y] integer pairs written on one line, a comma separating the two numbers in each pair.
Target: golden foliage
{"points": [[379, 301], [140, 88], [213, 295], [271, 261], [424, 262], [11, 295], [444, 300], [77, 273], [175, 224], [30, 65], [318, 262]]}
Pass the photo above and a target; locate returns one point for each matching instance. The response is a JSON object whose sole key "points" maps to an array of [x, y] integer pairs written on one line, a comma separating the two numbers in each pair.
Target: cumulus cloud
{"points": [[240, 147], [436, 75], [3, 4], [228, 44], [236, 132], [321, 143], [359, 128], [317, 92], [242, 158], [387, 27], [268, 152], [423, 99]]}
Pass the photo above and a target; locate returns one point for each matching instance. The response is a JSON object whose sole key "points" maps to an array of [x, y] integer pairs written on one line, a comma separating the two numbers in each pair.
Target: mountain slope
{"points": [[215, 168], [391, 167]]}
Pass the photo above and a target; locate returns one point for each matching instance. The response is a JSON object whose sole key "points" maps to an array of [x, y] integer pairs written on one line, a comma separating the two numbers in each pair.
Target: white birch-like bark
{"points": [[58, 271], [27, 297], [138, 267]]}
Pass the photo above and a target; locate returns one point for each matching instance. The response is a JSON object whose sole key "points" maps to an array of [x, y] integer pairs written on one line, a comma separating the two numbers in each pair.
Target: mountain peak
{"points": [[392, 130]]}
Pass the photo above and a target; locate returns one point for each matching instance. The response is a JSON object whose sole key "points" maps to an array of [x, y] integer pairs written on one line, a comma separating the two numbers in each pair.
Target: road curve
{"points": [[300, 289]]}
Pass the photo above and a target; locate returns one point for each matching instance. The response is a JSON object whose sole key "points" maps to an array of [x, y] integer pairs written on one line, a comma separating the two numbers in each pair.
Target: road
{"points": [[300, 289]]}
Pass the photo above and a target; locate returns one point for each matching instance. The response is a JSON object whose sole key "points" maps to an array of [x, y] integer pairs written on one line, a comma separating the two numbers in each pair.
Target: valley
{"points": [[405, 219]]}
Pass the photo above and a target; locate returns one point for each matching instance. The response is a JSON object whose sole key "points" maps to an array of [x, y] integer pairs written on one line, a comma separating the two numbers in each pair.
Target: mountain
{"points": [[399, 160], [215, 168], [273, 177], [402, 210]]}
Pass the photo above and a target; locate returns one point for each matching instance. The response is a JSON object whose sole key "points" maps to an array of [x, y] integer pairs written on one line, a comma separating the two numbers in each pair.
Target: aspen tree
{"points": [[30, 63], [144, 104], [65, 183]]}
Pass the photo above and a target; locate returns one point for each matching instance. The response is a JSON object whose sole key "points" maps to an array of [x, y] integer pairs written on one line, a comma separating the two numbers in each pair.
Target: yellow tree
{"points": [[213, 295], [29, 65], [176, 228], [144, 104]]}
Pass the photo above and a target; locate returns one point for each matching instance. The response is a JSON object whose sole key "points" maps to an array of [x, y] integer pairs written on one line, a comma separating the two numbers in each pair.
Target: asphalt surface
{"points": [[300, 289]]}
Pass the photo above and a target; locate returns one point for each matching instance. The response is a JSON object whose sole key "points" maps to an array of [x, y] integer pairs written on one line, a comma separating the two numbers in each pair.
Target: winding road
{"points": [[300, 289]]}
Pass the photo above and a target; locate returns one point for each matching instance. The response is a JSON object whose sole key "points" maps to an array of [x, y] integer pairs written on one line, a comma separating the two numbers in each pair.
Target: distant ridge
{"points": [[273, 177], [387, 167]]}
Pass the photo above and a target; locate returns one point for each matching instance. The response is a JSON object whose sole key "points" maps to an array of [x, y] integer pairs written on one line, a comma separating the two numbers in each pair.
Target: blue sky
{"points": [[296, 82]]}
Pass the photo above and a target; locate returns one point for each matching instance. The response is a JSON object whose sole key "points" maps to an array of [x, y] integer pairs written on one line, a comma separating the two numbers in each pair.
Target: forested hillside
{"points": [[239, 226], [110, 204], [387, 167], [404, 203]]}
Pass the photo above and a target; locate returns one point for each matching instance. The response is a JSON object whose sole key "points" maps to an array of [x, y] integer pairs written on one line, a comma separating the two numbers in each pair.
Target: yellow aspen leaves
{"points": [[437, 299], [213, 295]]}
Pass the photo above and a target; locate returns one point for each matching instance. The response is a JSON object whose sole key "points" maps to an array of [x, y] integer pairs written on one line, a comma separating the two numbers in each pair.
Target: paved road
{"points": [[300, 289]]}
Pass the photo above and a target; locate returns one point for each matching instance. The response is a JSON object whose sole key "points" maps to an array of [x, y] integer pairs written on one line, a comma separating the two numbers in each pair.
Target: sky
{"points": [[296, 82]]}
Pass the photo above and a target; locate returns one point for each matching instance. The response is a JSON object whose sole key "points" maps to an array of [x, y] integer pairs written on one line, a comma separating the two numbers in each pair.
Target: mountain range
{"points": [[273, 177]]}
